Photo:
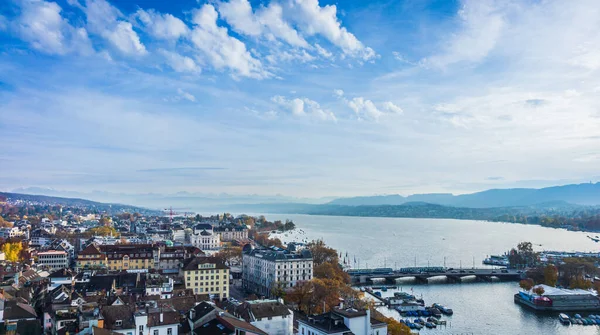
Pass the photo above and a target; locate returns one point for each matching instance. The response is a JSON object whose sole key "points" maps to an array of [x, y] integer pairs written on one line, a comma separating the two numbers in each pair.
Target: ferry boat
{"points": [[496, 260], [564, 319]]}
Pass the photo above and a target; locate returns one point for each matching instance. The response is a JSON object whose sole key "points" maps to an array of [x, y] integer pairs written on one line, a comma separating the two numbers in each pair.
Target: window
{"points": [[170, 331], [118, 323], [155, 331]]}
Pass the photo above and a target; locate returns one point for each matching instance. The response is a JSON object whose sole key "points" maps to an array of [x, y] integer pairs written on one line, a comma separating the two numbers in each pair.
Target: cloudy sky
{"points": [[298, 97]]}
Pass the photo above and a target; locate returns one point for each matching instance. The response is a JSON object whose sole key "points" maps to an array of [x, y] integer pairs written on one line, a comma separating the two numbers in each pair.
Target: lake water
{"points": [[479, 308]]}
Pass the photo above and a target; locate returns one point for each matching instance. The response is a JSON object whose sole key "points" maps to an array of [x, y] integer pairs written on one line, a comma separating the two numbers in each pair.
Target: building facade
{"points": [[265, 269], [229, 233], [206, 275], [118, 257], [204, 237], [341, 321], [53, 259]]}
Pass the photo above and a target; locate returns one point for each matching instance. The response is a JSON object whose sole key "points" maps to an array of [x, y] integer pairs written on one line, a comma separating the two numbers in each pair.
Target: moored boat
{"points": [[564, 319]]}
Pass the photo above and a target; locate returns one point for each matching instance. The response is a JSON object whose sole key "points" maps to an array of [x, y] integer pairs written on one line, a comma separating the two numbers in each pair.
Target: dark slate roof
{"points": [[350, 312], [214, 327], [272, 255], [203, 226], [192, 264], [234, 323], [205, 233], [62, 273], [259, 310], [114, 313], [16, 311], [329, 322], [169, 318], [202, 309]]}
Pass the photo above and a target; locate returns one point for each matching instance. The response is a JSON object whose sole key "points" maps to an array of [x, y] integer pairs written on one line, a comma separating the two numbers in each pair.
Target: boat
{"points": [[443, 309], [564, 319], [430, 325], [497, 260], [384, 289]]}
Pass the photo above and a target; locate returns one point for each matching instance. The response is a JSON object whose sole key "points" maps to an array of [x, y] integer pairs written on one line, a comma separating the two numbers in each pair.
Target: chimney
{"points": [[161, 317]]}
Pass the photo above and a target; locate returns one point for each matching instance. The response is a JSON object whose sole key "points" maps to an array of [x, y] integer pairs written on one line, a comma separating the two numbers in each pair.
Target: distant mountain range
{"points": [[76, 202], [578, 194], [180, 202]]}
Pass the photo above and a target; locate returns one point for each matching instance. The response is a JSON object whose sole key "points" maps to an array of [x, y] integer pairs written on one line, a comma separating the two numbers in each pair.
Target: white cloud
{"points": [[303, 106], [185, 95], [3, 22], [314, 19], [391, 107], [287, 56], [323, 52], [266, 21], [163, 26], [223, 51], [364, 107], [179, 63], [482, 22], [104, 19], [41, 24]]}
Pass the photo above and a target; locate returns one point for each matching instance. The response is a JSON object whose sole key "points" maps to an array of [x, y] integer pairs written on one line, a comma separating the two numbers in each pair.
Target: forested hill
{"points": [[581, 194], [43, 200], [555, 214]]}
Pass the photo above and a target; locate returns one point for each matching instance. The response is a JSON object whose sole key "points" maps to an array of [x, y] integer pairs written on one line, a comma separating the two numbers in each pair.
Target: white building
{"points": [[265, 269], [153, 322], [204, 238], [341, 321], [232, 232], [54, 259], [11, 232], [270, 316], [159, 285]]}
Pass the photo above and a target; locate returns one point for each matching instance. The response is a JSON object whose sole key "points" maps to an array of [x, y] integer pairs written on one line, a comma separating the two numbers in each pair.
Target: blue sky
{"points": [[298, 97]]}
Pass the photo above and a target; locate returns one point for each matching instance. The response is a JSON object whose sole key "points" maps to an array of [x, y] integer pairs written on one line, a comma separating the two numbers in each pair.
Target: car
{"points": [[504, 271], [471, 271], [493, 271], [453, 271], [463, 271], [519, 271], [450, 269]]}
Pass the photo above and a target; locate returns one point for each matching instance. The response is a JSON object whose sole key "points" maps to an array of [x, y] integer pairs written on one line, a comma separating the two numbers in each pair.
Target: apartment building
{"points": [[265, 269], [206, 275], [54, 259]]}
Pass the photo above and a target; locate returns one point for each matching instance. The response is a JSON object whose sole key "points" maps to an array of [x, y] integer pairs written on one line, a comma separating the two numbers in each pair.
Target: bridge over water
{"points": [[367, 276]]}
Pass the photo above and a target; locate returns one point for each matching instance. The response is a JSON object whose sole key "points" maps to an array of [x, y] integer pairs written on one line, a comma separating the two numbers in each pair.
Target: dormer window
{"points": [[119, 323]]}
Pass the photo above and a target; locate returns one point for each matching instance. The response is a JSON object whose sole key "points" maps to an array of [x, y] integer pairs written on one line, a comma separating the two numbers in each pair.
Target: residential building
{"points": [[265, 269], [206, 318], [271, 316], [124, 319], [204, 237], [91, 258], [157, 284], [54, 259], [40, 238], [207, 275], [341, 321], [118, 257], [9, 232], [129, 257], [170, 258]]}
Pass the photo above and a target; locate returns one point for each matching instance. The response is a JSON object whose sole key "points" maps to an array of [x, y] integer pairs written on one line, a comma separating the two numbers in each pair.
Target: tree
{"points": [[538, 290], [526, 284], [322, 253], [102, 231], [4, 223], [289, 225], [230, 255], [550, 275], [12, 251]]}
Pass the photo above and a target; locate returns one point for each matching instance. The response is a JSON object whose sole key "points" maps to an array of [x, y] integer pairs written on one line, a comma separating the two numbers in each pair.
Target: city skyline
{"points": [[300, 98]]}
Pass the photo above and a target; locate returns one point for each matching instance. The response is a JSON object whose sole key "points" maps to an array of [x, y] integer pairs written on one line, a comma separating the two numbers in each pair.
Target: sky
{"points": [[305, 98]]}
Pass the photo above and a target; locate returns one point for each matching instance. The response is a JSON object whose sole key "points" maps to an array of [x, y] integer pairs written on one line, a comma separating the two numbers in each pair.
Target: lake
{"points": [[479, 308]]}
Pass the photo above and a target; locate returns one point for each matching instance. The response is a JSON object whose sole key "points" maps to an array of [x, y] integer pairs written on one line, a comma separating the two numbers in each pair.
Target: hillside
{"points": [[29, 199], [580, 194]]}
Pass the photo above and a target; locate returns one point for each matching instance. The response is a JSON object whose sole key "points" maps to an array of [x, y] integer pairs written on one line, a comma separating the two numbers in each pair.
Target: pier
{"points": [[422, 275]]}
